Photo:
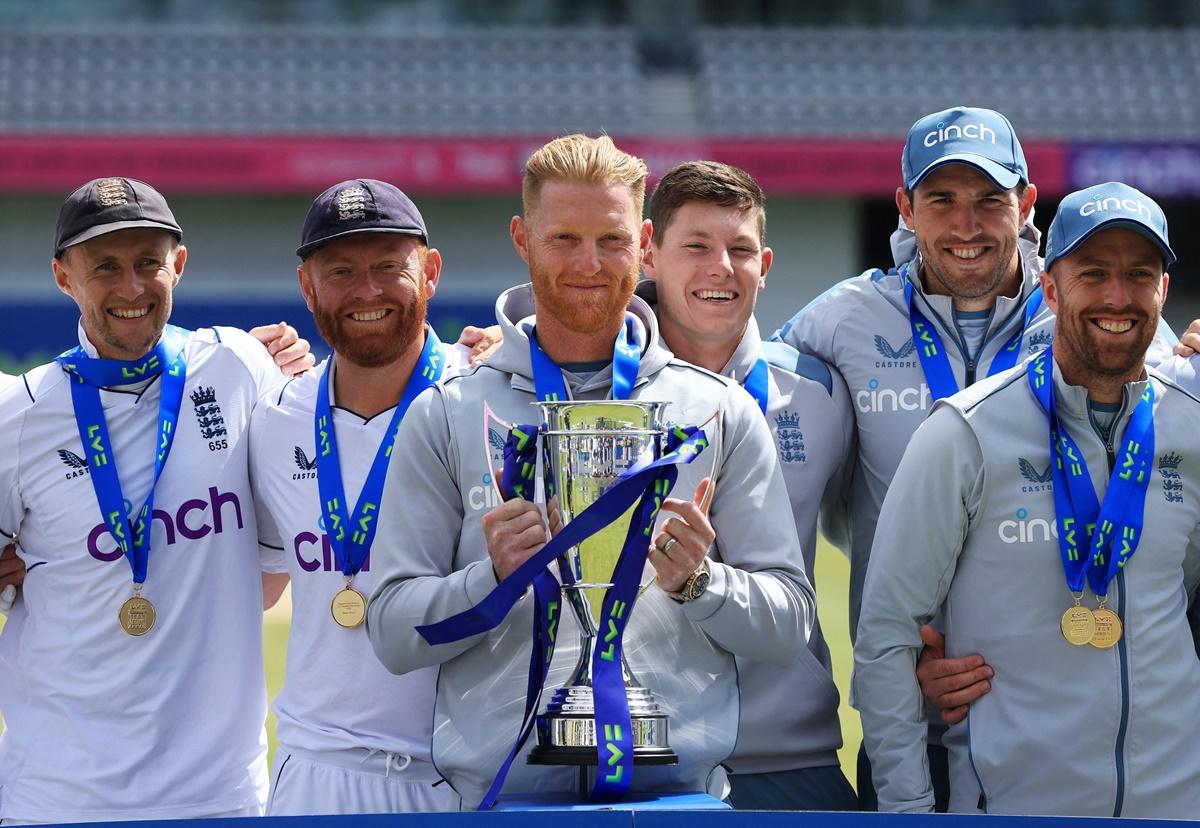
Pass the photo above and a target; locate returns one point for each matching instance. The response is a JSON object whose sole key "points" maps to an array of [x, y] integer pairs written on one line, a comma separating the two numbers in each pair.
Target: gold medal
{"points": [[349, 607], [1108, 628], [1078, 625], [136, 614]]}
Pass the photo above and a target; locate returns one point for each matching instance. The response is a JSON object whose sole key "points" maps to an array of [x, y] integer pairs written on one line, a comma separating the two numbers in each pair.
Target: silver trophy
{"points": [[585, 448]]}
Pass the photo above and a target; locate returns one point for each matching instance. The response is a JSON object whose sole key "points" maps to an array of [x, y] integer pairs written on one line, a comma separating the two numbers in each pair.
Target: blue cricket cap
{"points": [[982, 138], [360, 205], [1084, 213]]}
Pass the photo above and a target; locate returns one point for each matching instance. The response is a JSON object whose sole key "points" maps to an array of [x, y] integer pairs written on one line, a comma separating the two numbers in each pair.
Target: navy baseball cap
{"points": [[982, 138], [1084, 213], [105, 205], [360, 205]]}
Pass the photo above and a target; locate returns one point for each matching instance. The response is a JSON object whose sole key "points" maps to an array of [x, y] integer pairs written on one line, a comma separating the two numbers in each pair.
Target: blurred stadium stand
{"points": [[851, 81], [179, 79], [1078, 84]]}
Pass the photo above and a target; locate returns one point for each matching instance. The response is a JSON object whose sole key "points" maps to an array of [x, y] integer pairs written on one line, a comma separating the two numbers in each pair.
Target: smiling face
{"points": [[710, 266], [582, 244], [1108, 295], [967, 228], [122, 282], [368, 294]]}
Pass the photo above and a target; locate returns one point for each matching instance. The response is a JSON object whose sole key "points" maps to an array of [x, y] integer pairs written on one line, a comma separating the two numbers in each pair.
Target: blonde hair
{"points": [[578, 158]]}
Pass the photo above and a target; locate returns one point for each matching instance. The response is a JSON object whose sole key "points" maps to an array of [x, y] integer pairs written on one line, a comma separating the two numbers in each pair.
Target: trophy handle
{"points": [[490, 417], [714, 446]]}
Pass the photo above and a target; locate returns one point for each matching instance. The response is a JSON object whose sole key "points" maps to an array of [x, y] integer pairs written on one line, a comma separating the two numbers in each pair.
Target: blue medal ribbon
{"points": [[756, 383], [1096, 539], [548, 379], [351, 538], [932, 352], [88, 376]]}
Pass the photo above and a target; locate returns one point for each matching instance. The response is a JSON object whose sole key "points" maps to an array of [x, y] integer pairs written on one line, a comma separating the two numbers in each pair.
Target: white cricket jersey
{"points": [[336, 694], [102, 725]]}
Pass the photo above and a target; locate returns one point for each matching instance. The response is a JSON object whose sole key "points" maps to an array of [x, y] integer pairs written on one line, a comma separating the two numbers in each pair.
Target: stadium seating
{"points": [[177, 78], [1052, 83]]}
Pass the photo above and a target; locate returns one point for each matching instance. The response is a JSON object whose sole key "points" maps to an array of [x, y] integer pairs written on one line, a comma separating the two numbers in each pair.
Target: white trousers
{"points": [[356, 781]]}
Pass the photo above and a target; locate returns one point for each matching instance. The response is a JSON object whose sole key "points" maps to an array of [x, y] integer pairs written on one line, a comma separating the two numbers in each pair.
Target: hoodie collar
{"points": [[515, 309], [1071, 401]]}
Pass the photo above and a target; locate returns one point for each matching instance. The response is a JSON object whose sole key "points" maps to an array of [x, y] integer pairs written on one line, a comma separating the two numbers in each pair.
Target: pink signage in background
{"points": [[446, 166]]}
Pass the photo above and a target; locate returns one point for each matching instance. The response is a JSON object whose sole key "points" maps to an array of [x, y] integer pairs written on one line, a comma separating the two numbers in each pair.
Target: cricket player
{"points": [[133, 684], [1074, 585], [963, 303], [729, 583], [706, 263], [352, 737]]}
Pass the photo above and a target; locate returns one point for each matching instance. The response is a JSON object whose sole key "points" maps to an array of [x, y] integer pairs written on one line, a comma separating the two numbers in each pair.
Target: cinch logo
{"points": [[876, 399], [1126, 205], [310, 560], [483, 496], [977, 132], [180, 524], [1039, 480], [1026, 529], [894, 357]]}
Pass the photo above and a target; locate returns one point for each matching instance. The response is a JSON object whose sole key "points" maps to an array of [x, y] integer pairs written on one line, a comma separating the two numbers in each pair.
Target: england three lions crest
{"points": [[208, 413], [789, 437]]}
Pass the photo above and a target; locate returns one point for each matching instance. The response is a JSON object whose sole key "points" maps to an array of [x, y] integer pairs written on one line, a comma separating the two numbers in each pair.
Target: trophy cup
{"points": [[586, 446]]}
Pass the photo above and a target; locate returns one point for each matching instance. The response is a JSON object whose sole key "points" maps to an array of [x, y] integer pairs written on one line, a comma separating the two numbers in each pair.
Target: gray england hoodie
{"points": [[432, 562], [969, 527]]}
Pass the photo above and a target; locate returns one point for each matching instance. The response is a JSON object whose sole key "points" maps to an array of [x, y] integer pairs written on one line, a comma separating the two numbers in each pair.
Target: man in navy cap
{"points": [[124, 472], [1053, 512], [353, 738]]}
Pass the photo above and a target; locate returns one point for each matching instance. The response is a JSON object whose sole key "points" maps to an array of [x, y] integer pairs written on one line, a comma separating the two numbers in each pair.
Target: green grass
{"points": [[833, 573]]}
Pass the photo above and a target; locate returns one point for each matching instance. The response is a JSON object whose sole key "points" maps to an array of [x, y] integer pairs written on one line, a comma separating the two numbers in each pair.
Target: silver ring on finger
{"points": [[666, 547]]}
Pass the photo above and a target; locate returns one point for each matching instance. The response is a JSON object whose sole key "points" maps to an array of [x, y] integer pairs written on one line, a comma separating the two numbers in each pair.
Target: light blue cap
{"points": [[1084, 213], [982, 138]]}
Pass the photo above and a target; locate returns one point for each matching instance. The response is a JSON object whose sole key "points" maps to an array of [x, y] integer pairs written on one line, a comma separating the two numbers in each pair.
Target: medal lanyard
{"points": [[548, 379], [88, 376], [1096, 539], [756, 383], [932, 352], [351, 540]]}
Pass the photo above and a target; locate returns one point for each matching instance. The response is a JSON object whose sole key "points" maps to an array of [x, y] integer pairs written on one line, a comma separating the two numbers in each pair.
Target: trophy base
{"points": [[582, 756], [566, 732]]}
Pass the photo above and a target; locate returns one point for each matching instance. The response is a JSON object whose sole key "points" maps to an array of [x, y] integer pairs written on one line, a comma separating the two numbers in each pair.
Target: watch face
{"points": [[697, 586]]}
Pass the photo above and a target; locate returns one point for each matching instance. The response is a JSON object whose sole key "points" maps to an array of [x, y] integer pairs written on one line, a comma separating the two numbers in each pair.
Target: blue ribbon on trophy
{"points": [[646, 482]]}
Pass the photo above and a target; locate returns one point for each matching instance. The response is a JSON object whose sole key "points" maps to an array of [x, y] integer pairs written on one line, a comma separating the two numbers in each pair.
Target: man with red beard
{"points": [[353, 738], [730, 578]]}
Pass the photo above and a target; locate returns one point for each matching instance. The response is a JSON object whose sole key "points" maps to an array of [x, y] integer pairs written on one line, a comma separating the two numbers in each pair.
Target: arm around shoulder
{"points": [[922, 527]]}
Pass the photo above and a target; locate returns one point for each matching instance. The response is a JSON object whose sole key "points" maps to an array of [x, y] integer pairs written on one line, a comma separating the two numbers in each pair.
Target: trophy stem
{"points": [[566, 732]]}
